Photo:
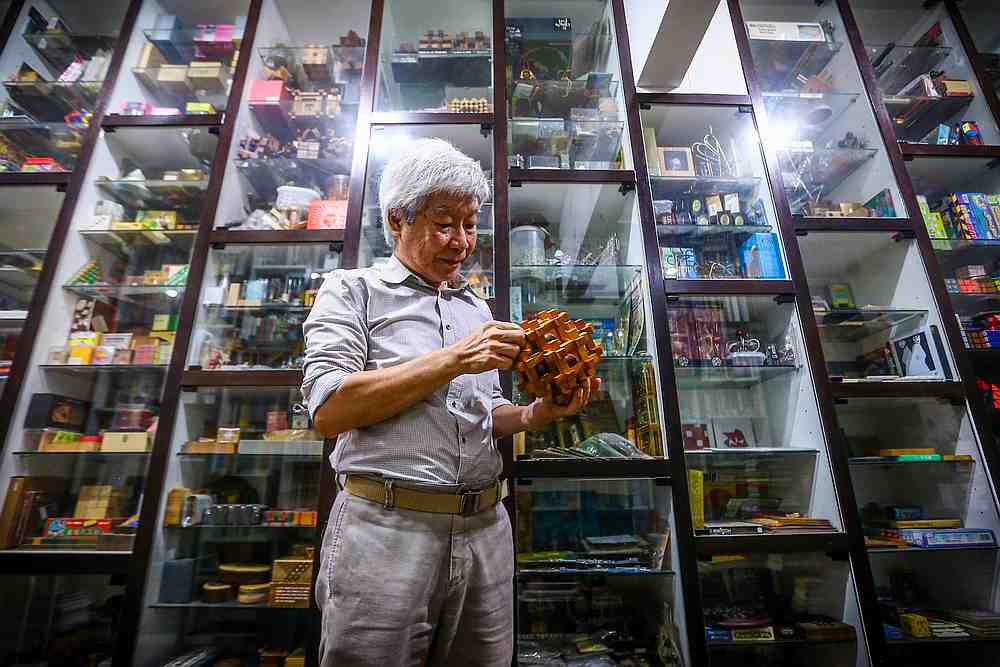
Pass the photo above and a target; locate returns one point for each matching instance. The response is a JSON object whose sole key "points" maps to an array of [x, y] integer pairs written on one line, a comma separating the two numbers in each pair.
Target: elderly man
{"points": [[402, 362]]}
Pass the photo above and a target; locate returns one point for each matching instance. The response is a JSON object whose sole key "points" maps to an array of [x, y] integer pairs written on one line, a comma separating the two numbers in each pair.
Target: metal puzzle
{"points": [[558, 354]]}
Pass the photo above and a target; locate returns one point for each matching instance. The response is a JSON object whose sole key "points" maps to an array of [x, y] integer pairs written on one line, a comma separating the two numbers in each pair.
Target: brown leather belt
{"points": [[463, 503]]}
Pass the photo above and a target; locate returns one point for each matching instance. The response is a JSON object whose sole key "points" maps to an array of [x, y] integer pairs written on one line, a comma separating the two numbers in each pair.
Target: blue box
{"points": [[168, 34], [760, 256]]}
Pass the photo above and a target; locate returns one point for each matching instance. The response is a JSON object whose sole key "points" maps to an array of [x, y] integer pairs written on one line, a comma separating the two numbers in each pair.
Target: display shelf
{"points": [[569, 575], [431, 118], [752, 452], [811, 113], [59, 141], [777, 69], [526, 467], [59, 49], [168, 91], [729, 377], [114, 120], [223, 606], [944, 150], [665, 186], [899, 389], [340, 60], [254, 459], [914, 117], [128, 293], [897, 65], [519, 175], [710, 230], [806, 224], [125, 241], [155, 194], [59, 179], [195, 377], [101, 369], [180, 46], [272, 236], [831, 543], [83, 457], [848, 325], [892, 462], [726, 287], [51, 101], [265, 175], [825, 168], [233, 528], [720, 644]]}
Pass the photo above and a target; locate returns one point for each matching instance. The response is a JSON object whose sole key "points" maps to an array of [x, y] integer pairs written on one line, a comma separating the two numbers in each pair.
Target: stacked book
{"points": [[980, 623], [946, 629], [793, 522]]}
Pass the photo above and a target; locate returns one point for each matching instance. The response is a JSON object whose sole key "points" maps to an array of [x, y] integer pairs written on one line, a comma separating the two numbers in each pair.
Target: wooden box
{"points": [[307, 104], [125, 441], [292, 570], [209, 447], [175, 506], [173, 78], [207, 75]]}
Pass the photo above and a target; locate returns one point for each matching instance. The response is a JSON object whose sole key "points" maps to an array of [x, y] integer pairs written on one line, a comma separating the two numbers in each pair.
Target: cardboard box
{"points": [[207, 75], [173, 78], [125, 441], [209, 447]]}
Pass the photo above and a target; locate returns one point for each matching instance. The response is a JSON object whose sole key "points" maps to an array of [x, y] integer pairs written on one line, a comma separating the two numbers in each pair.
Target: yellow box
{"points": [[292, 570], [80, 355], [915, 625], [154, 277], [127, 225], [125, 441]]}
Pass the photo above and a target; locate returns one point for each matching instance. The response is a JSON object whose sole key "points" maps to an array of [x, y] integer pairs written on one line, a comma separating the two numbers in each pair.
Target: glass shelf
{"points": [[854, 324], [708, 377], [555, 143], [180, 47], [665, 186], [710, 230], [85, 457], [779, 63], [58, 141], [170, 89], [52, 101], [59, 49], [266, 175], [342, 63], [812, 113], [897, 65], [129, 293], [915, 117], [824, 169], [98, 369], [124, 241], [181, 196]]}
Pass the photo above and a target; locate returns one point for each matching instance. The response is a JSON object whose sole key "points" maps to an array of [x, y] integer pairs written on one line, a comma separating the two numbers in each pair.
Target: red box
{"points": [[327, 214], [215, 42], [269, 101], [66, 526]]}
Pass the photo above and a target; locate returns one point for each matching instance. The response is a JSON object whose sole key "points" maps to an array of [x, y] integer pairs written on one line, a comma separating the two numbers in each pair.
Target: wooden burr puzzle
{"points": [[558, 354]]}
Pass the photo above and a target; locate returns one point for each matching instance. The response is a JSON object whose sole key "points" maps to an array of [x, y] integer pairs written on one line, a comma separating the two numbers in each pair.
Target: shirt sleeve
{"points": [[336, 335], [497, 394]]}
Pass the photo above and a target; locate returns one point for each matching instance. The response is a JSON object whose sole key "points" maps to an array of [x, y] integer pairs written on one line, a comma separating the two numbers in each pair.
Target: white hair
{"points": [[421, 169]]}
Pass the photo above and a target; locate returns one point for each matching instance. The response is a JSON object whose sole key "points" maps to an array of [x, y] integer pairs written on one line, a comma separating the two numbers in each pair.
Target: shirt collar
{"points": [[395, 272]]}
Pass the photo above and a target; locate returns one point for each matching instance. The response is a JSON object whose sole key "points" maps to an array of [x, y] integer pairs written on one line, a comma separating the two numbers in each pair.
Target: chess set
{"points": [[558, 355]]}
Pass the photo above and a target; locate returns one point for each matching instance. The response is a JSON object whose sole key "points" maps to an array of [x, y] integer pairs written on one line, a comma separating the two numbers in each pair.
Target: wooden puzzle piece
{"points": [[558, 354]]}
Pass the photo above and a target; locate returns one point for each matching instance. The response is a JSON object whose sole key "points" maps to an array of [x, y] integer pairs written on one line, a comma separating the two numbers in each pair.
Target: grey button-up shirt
{"points": [[365, 319]]}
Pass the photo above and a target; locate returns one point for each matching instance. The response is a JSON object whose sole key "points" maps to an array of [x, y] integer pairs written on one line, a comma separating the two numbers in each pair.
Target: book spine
{"points": [[919, 457], [11, 509]]}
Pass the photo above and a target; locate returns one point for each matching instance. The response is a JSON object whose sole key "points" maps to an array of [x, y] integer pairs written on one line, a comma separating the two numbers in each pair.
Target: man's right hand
{"points": [[493, 345]]}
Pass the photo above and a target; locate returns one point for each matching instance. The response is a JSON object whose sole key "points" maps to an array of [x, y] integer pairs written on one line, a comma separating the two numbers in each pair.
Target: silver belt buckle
{"points": [[469, 503]]}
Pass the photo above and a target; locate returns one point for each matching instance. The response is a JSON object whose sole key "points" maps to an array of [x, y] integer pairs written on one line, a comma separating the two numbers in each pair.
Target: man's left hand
{"points": [[544, 411]]}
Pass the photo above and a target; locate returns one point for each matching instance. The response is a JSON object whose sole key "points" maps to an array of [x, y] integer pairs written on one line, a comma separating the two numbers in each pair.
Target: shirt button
{"points": [[448, 327], [454, 404], [463, 441]]}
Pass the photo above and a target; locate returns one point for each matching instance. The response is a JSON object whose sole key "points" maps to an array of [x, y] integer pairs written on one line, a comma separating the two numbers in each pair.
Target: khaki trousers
{"points": [[400, 588]]}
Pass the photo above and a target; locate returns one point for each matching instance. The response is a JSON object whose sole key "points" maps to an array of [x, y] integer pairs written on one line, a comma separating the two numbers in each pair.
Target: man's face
{"points": [[442, 236]]}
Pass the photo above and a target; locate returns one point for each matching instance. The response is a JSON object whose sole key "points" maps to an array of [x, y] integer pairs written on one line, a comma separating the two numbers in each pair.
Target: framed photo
{"points": [[733, 433], [916, 355], [675, 161]]}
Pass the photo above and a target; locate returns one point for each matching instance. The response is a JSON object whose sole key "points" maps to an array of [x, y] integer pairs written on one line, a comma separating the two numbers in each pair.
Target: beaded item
{"points": [[558, 354]]}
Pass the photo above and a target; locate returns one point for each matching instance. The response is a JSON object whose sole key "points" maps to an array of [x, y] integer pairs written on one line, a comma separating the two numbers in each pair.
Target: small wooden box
{"points": [[307, 104], [290, 596], [210, 447], [125, 441], [175, 506], [207, 75], [316, 63], [173, 78], [292, 571]]}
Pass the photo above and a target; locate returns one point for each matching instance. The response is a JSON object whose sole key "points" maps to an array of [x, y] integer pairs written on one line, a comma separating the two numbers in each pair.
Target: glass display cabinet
{"points": [[232, 558], [779, 609], [23, 252], [927, 82], [981, 19], [755, 451], [253, 302], [565, 104], [594, 571], [290, 162], [180, 59], [925, 501], [60, 619], [714, 214], [84, 428], [874, 308], [436, 58], [473, 140], [819, 122], [53, 67], [576, 248]]}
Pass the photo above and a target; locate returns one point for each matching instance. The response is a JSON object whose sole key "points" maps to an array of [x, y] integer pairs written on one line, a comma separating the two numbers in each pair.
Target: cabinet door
{"points": [[819, 122], [236, 528], [436, 57]]}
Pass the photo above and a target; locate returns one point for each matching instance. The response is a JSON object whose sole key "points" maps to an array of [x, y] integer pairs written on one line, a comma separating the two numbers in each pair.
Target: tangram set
{"points": [[559, 353]]}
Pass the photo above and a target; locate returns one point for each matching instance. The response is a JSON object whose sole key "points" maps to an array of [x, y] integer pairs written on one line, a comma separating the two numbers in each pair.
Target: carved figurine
{"points": [[558, 354]]}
